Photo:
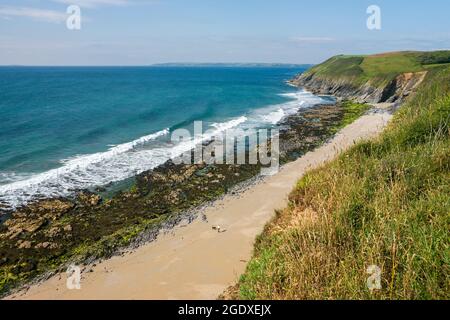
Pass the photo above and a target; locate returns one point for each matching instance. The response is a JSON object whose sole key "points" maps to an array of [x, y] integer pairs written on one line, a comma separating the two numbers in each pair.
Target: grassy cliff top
{"points": [[380, 68]]}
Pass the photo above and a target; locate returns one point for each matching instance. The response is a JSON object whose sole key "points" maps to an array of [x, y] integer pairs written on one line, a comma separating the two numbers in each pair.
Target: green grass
{"points": [[340, 66], [352, 111], [384, 202], [378, 70], [377, 65]]}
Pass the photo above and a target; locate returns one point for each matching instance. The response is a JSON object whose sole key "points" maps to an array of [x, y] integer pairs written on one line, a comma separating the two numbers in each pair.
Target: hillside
{"points": [[384, 202], [389, 77]]}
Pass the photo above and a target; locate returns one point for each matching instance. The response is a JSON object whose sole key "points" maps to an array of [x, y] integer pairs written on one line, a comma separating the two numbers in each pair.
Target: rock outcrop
{"points": [[31, 218], [394, 91]]}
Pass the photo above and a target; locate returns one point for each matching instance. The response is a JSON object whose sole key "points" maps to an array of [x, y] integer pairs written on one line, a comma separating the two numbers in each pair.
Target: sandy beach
{"points": [[193, 261]]}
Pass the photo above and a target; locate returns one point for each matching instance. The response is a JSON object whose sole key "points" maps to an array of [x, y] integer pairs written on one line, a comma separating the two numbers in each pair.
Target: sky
{"points": [[143, 32]]}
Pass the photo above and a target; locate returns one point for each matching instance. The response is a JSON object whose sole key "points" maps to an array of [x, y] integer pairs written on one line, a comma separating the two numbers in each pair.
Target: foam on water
{"points": [[274, 117], [274, 114], [126, 160], [216, 128], [229, 124], [81, 172], [9, 177]]}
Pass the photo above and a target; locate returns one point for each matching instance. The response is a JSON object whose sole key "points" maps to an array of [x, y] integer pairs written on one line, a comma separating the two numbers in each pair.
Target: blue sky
{"points": [[142, 32]]}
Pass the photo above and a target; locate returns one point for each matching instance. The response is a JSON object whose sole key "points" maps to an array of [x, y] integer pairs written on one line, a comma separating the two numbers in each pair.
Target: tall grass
{"points": [[385, 202]]}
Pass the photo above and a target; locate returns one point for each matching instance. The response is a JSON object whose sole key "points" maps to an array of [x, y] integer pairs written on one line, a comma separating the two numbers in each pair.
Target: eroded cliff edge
{"points": [[378, 78], [394, 91]]}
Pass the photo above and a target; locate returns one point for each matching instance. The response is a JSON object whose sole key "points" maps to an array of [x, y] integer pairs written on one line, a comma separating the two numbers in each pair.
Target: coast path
{"points": [[193, 261]]}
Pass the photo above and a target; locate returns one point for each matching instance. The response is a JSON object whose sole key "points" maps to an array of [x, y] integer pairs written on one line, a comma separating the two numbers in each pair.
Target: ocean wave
{"points": [[300, 99], [275, 116], [85, 160], [216, 129], [128, 159], [84, 171], [118, 163], [220, 127]]}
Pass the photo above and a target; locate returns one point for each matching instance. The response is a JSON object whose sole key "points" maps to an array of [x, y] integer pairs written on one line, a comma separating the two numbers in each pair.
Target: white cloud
{"points": [[37, 14]]}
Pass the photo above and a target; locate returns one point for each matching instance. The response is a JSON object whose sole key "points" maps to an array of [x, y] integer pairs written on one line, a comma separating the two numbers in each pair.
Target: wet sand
{"points": [[193, 261]]}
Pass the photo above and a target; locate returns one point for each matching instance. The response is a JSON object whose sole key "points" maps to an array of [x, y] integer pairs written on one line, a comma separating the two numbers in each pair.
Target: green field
{"points": [[385, 202], [378, 69]]}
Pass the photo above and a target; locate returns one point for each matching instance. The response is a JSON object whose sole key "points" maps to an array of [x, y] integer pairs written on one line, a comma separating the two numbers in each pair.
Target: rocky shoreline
{"points": [[44, 237]]}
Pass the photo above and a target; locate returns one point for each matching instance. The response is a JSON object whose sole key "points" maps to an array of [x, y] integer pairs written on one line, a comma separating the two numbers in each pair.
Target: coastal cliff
{"points": [[395, 91], [390, 77]]}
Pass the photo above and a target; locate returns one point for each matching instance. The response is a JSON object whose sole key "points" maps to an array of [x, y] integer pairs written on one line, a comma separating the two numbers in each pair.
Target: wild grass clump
{"points": [[385, 202]]}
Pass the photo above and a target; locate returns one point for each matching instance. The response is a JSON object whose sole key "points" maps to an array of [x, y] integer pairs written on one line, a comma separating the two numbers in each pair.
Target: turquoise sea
{"points": [[66, 128]]}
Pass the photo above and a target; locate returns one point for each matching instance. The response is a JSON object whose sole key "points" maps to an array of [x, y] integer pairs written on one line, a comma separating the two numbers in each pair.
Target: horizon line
{"points": [[164, 64]]}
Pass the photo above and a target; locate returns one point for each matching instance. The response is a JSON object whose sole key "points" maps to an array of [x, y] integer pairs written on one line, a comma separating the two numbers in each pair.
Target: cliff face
{"points": [[395, 91]]}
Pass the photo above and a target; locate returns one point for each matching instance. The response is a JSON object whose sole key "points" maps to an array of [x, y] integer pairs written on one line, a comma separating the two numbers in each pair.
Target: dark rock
{"points": [[3, 260]]}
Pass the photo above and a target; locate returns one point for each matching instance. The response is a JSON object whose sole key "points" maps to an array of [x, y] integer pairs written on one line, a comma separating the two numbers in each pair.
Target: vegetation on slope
{"points": [[380, 69], [352, 111], [385, 202]]}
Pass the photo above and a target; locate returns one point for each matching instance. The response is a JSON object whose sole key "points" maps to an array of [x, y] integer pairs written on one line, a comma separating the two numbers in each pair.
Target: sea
{"points": [[63, 129]]}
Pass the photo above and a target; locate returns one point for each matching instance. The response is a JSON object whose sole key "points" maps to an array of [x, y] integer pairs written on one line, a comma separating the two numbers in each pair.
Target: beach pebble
{"points": [[219, 229]]}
